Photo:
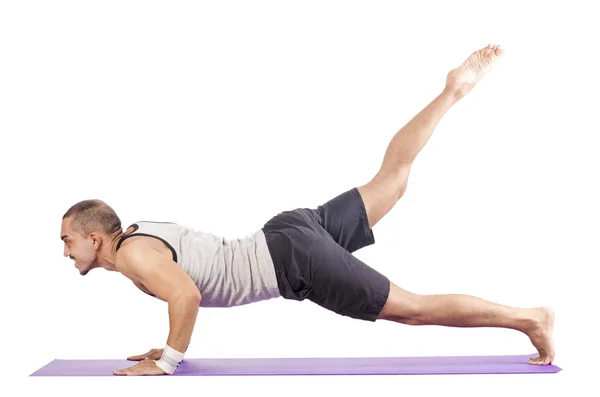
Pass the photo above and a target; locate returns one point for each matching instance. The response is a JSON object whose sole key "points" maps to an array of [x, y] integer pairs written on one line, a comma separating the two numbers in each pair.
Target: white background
{"points": [[218, 115]]}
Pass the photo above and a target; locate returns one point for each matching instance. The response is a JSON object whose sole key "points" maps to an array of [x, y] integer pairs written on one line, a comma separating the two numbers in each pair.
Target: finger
{"points": [[140, 356], [128, 370]]}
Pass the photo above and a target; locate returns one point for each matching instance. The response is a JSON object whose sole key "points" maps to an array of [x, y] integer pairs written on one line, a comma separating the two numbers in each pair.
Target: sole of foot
{"points": [[463, 78]]}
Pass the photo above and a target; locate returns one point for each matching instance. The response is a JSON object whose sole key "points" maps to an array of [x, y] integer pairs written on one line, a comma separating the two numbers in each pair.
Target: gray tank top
{"points": [[228, 272]]}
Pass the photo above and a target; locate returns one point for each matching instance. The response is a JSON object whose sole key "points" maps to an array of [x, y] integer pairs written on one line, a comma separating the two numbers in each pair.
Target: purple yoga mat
{"points": [[315, 366]]}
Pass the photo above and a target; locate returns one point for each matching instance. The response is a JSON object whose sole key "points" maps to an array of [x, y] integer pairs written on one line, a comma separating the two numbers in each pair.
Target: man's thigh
{"points": [[344, 284]]}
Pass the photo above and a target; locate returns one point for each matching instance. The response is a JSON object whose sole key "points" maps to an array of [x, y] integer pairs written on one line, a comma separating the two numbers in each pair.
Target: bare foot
{"points": [[463, 78], [541, 337]]}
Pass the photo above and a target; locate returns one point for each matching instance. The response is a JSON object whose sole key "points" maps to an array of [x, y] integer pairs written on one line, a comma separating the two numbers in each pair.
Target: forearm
{"points": [[182, 318]]}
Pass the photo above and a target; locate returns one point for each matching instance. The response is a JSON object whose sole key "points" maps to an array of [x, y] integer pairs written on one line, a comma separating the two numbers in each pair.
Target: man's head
{"points": [[88, 230]]}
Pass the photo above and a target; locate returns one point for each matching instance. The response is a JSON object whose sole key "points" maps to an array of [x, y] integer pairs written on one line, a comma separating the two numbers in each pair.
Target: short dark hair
{"points": [[93, 216]]}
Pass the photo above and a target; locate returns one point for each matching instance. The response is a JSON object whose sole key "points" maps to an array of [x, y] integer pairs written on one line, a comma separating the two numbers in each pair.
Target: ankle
{"points": [[451, 95]]}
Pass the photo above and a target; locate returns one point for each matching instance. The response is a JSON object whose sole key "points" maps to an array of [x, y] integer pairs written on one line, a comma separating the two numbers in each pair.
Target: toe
{"points": [[535, 361], [539, 361]]}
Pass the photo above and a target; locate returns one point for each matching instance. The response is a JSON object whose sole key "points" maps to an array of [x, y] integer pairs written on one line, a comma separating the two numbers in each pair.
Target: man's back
{"points": [[228, 272]]}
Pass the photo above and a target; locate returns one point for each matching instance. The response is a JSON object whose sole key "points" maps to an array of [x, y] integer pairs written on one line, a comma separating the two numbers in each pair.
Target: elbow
{"points": [[191, 297]]}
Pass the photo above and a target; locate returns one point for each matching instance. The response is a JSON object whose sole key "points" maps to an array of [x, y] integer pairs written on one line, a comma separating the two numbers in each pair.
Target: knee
{"points": [[402, 180], [404, 307], [415, 310], [395, 181], [401, 190]]}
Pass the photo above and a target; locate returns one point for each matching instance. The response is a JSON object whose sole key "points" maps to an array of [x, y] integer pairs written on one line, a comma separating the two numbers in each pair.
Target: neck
{"points": [[107, 259]]}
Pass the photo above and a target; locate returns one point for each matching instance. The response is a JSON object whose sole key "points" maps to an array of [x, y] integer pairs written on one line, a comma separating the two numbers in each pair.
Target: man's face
{"points": [[79, 248]]}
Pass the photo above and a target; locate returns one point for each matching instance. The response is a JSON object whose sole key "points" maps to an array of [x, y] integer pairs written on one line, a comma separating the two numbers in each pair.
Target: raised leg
{"points": [[382, 192], [455, 310]]}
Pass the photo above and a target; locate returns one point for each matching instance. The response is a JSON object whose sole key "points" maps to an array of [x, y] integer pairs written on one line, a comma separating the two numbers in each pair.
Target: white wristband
{"points": [[170, 360]]}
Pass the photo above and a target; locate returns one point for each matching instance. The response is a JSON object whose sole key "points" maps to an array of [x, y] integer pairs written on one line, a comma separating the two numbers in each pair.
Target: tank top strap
{"points": [[162, 231]]}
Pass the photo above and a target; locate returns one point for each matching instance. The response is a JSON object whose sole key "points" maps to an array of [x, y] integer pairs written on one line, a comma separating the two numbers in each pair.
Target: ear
{"points": [[96, 240]]}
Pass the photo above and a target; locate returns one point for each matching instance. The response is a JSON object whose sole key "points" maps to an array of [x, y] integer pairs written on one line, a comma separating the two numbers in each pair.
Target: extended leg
{"points": [[455, 310], [389, 184]]}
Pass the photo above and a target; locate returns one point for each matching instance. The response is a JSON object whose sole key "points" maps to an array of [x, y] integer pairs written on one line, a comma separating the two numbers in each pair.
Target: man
{"points": [[300, 254]]}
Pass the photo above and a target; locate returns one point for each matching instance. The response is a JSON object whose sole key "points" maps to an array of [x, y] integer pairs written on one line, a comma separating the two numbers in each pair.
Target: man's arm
{"points": [[167, 281]]}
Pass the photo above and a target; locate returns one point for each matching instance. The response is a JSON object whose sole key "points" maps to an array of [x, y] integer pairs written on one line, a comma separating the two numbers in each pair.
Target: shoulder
{"points": [[140, 250], [152, 271], [136, 245], [130, 253], [137, 254], [131, 246]]}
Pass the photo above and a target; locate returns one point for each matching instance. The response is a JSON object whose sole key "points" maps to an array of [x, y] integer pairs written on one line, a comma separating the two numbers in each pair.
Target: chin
{"points": [[83, 270]]}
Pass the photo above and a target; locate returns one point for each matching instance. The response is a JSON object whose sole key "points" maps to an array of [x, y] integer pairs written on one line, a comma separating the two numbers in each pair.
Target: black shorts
{"points": [[312, 253]]}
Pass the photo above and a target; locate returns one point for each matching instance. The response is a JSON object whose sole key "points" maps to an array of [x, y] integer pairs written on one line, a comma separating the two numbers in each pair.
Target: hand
{"points": [[144, 367], [153, 354]]}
